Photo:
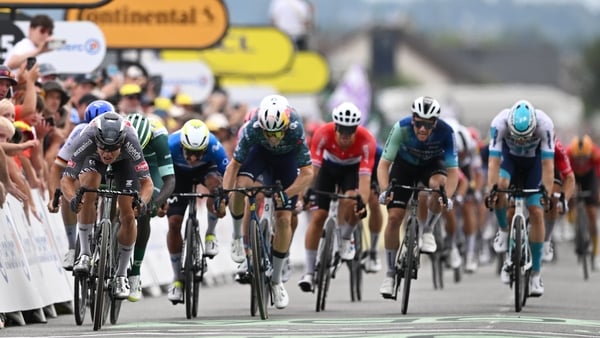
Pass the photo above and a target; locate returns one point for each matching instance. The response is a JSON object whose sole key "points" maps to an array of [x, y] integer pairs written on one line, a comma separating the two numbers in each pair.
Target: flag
{"points": [[353, 87]]}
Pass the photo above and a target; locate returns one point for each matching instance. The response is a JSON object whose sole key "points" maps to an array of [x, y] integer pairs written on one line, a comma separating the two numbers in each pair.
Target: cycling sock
{"points": [[71, 230], [536, 256], [212, 223], [471, 241], [278, 260], [374, 241], [502, 218], [125, 253], [138, 257], [346, 231], [311, 257], [176, 266], [549, 228], [141, 241], [84, 236], [237, 226], [390, 256]]}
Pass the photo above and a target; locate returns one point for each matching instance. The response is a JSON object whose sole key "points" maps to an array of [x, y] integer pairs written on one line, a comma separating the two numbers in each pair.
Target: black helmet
{"points": [[110, 131]]}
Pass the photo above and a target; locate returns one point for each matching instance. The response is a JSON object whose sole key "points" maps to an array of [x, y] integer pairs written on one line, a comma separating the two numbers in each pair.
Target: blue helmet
{"points": [[97, 108], [522, 119]]}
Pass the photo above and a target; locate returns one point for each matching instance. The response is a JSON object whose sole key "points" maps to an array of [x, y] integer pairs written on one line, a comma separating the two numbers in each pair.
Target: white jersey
{"points": [[542, 138], [466, 146], [22, 47], [67, 149]]}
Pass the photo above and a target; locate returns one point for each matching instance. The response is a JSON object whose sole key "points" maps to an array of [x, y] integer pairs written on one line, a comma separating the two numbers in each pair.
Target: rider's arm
{"points": [[383, 173], [493, 171], [301, 182], [166, 190], [68, 187], [364, 187], [147, 188], [568, 186], [230, 174], [548, 173], [451, 181], [497, 130]]}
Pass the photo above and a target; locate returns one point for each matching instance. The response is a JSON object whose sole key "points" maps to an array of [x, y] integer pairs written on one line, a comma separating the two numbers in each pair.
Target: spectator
{"points": [[48, 73], [7, 82], [293, 17], [7, 130], [41, 28], [56, 97], [130, 101]]}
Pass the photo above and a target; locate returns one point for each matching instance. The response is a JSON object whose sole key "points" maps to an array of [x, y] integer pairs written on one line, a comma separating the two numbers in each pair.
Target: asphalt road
{"points": [[477, 306]]}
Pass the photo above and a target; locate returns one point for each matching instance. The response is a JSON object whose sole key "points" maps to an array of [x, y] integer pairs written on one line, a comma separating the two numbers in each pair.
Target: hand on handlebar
{"points": [[75, 203], [361, 208], [281, 199]]}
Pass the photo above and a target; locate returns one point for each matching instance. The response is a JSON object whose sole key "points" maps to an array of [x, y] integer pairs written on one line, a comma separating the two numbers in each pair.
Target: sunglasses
{"points": [[345, 130], [276, 134], [190, 153], [110, 148], [425, 124], [45, 30]]}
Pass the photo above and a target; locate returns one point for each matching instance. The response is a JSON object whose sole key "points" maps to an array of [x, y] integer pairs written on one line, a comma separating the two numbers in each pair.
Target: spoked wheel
{"points": [[324, 266], [101, 302], [355, 267], [582, 242], [259, 282], [411, 263], [191, 238], [518, 263], [80, 298]]}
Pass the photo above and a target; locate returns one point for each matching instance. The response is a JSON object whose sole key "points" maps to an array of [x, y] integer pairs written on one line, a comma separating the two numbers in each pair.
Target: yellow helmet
{"points": [[581, 146]]}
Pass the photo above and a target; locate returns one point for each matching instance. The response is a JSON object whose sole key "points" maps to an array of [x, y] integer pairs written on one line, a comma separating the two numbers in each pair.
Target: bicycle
{"points": [[409, 255], [105, 256], [328, 259], [582, 234], [194, 264], [258, 255], [518, 255]]}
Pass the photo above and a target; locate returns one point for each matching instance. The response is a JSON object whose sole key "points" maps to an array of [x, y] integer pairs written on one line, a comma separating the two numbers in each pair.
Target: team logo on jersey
{"points": [[143, 166], [130, 148], [71, 164]]}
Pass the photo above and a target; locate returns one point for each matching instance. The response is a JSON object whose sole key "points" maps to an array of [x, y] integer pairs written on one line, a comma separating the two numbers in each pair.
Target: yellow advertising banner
{"points": [[309, 74], [53, 3], [158, 24], [243, 51]]}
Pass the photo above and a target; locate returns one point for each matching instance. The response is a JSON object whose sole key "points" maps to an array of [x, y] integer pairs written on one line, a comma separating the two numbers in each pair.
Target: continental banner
{"points": [[263, 51], [158, 24], [308, 74]]}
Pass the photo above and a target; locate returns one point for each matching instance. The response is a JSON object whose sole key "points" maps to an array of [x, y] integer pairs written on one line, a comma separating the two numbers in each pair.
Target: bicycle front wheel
{"points": [[410, 261], [191, 237], [355, 266], [323, 268], [582, 240], [259, 282], [518, 263], [102, 298]]}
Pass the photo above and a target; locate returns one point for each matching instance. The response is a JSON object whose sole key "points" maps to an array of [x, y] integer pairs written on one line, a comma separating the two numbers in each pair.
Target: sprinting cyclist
{"points": [[109, 139], [198, 157], [154, 140], [420, 149], [94, 109], [342, 155], [272, 142], [564, 186], [584, 156], [521, 143]]}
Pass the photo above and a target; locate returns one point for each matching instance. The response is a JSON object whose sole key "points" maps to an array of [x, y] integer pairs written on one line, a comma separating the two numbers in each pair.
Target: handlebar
{"points": [[188, 195], [520, 192], [267, 190], [335, 195], [441, 190], [56, 197]]}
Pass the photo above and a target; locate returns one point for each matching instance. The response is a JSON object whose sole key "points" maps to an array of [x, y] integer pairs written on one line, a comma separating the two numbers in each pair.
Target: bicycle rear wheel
{"points": [[191, 236], [80, 292], [324, 266], [518, 264], [437, 259], [582, 240], [102, 289], [410, 260], [259, 282], [115, 304]]}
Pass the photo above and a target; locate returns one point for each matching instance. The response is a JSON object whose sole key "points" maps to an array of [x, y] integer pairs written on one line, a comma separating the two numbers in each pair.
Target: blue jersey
{"points": [[440, 145], [215, 153]]}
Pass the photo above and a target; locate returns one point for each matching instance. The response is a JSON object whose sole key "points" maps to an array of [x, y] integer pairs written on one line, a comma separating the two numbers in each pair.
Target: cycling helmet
{"points": [[521, 119], [194, 135], [274, 113], [142, 126], [426, 107], [581, 146], [110, 131], [96, 108], [346, 114]]}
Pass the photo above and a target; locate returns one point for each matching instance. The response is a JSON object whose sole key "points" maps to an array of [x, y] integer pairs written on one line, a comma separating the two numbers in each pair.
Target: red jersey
{"points": [[582, 167], [561, 160], [362, 151]]}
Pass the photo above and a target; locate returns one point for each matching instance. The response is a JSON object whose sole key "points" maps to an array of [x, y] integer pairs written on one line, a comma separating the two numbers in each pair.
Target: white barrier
{"points": [[31, 251]]}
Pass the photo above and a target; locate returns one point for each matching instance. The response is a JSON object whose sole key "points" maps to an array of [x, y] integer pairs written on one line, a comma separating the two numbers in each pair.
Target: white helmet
{"points": [[273, 113], [426, 107], [194, 135], [346, 114]]}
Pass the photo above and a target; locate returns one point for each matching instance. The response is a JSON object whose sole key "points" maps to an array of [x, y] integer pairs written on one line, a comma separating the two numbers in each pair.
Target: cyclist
{"points": [[564, 186], [342, 155], [109, 139], [93, 110], [273, 141], [198, 157], [585, 160], [419, 149], [154, 140], [521, 143]]}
